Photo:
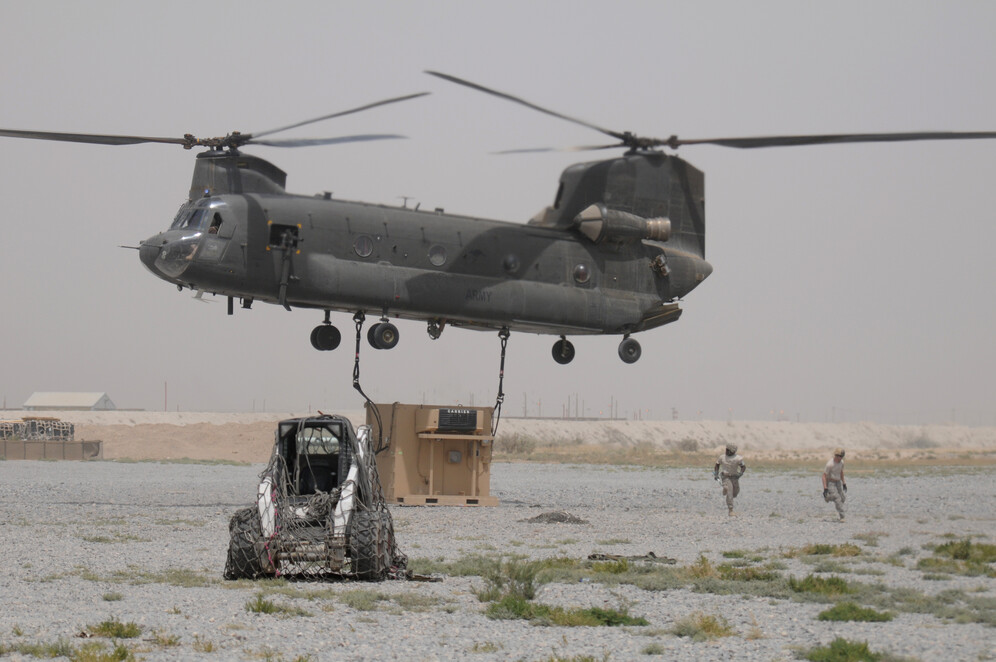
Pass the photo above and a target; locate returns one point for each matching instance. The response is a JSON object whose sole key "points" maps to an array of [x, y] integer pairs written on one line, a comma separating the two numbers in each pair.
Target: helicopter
{"points": [[622, 243]]}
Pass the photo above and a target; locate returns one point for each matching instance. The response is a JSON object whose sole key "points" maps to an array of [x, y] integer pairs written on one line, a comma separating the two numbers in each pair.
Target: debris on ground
{"points": [[556, 517], [649, 557]]}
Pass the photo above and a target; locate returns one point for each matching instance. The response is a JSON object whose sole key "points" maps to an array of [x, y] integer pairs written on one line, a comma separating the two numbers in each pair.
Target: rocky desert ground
{"points": [[122, 558]]}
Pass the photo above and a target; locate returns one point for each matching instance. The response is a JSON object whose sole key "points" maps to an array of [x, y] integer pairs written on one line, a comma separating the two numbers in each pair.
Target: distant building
{"points": [[69, 402]]}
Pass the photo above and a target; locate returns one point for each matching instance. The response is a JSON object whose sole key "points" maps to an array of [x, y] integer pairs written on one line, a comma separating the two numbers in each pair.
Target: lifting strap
{"points": [[358, 318], [503, 335]]}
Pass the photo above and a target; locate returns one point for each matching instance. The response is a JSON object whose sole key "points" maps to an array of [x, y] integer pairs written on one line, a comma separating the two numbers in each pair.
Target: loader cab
{"points": [[317, 453]]}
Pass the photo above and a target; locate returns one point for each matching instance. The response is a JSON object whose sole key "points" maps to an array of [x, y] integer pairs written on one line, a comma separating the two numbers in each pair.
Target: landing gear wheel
{"points": [[244, 548], [629, 350], [383, 335], [325, 337], [563, 351]]}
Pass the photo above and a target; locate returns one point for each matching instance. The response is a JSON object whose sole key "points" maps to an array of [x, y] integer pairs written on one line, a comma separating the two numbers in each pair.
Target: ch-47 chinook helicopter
{"points": [[623, 241]]}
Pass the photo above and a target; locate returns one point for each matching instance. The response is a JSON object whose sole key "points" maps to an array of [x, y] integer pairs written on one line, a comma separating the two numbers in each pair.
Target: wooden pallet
{"points": [[446, 500]]}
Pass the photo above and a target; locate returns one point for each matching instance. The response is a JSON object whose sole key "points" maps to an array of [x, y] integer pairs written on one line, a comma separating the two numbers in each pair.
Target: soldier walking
{"points": [[834, 485], [730, 467]]}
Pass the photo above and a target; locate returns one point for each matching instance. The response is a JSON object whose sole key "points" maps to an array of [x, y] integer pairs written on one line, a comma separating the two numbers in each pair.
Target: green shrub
{"points": [[614, 617], [95, 652], [966, 550], [821, 585], [613, 567], [701, 569], [962, 557], [509, 577], [115, 629], [849, 611], [515, 607], [745, 573], [261, 605], [841, 650]]}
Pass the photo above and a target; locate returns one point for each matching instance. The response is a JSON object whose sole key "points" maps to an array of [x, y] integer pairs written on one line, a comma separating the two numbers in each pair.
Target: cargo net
{"points": [[303, 529], [33, 429]]}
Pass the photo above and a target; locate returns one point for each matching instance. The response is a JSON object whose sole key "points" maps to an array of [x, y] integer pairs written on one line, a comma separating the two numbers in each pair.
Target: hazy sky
{"points": [[851, 282]]}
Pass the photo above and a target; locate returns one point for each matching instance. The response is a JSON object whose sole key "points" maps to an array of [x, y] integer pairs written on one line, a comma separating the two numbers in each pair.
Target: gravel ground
{"points": [[145, 543]]}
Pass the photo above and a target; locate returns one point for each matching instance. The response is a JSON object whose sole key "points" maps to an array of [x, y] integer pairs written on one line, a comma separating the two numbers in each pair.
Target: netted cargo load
{"points": [[38, 429], [319, 510], [48, 429]]}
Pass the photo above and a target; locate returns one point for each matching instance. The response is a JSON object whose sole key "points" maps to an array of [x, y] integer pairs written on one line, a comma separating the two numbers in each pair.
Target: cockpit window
{"points": [[198, 216], [190, 219]]}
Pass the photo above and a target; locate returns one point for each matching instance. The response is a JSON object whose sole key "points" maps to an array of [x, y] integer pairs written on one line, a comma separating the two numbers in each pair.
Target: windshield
{"points": [[317, 441], [197, 216]]}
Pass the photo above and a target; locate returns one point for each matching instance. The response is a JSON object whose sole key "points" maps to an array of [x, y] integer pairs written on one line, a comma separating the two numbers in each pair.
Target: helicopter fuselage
{"points": [[623, 241], [422, 265]]}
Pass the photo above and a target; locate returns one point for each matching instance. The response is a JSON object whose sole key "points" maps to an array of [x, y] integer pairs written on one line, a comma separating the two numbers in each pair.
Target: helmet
{"points": [[838, 451], [731, 449]]}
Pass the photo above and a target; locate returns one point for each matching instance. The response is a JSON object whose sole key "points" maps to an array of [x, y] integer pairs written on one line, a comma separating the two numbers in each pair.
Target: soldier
{"points": [[732, 467], [834, 485]]}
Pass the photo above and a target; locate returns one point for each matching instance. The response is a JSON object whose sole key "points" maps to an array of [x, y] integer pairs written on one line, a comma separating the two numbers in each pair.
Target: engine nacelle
{"points": [[599, 224]]}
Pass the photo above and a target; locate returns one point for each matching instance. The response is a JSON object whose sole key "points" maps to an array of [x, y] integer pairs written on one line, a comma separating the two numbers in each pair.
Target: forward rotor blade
{"points": [[311, 142], [340, 114], [828, 139], [93, 138], [514, 99]]}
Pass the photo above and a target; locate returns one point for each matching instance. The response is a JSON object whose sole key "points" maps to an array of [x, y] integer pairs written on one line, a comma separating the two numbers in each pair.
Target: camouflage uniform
{"points": [[834, 485], [730, 467]]}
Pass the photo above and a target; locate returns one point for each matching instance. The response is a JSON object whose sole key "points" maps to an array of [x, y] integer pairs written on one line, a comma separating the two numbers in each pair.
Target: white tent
{"points": [[69, 402]]}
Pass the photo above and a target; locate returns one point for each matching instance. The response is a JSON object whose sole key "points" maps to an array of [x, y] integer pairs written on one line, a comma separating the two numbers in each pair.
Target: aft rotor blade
{"points": [[311, 142], [514, 99], [829, 139], [340, 114], [92, 138], [578, 148]]}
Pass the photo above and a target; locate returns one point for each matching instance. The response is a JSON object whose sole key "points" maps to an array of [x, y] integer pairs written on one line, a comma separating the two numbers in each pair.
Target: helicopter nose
{"points": [[148, 251]]}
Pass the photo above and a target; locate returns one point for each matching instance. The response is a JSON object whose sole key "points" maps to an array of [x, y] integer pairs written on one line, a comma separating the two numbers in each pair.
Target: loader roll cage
{"points": [[320, 509]]}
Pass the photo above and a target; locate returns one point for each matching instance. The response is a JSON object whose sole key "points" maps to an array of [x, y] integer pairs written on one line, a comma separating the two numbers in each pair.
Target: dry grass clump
{"points": [[699, 626], [846, 549], [260, 605]]}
